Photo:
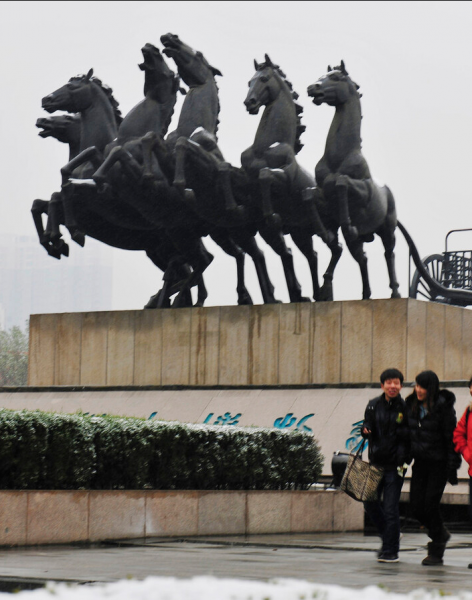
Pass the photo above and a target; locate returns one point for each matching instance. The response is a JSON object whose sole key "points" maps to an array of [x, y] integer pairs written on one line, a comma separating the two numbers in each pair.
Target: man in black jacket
{"points": [[386, 428]]}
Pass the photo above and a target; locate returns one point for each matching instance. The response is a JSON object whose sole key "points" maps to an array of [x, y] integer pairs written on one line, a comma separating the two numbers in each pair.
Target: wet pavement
{"points": [[345, 559]]}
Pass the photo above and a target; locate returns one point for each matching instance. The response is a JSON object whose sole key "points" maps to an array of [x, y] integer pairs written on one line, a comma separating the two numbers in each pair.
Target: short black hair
{"points": [[391, 374], [470, 381]]}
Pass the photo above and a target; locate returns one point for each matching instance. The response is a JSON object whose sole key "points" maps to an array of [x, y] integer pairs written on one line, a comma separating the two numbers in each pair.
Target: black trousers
{"points": [[385, 513], [428, 480]]}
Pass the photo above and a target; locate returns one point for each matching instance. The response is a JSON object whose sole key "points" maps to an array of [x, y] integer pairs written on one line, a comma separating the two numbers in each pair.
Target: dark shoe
{"points": [[470, 566], [445, 536], [436, 551], [388, 558], [432, 561]]}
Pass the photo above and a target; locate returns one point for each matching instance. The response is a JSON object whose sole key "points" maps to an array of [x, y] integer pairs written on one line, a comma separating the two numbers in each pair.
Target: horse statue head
{"points": [[79, 94], [64, 128], [158, 76], [335, 88], [269, 87], [265, 85], [193, 67]]}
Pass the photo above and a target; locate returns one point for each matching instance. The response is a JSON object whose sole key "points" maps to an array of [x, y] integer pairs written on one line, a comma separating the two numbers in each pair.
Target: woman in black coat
{"points": [[431, 420]]}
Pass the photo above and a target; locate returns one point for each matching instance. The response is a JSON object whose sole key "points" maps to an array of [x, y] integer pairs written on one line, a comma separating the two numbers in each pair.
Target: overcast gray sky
{"points": [[411, 60]]}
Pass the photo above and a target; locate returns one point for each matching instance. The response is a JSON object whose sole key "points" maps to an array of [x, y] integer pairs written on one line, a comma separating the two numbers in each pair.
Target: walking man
{"points": [[386, 429]]}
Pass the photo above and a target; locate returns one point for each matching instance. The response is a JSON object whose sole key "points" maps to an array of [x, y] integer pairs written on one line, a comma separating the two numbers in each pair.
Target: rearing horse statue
{"points": [[190, 158], [152, 114], [198, 162], [105, 216], [278, 182], [357, 204]]}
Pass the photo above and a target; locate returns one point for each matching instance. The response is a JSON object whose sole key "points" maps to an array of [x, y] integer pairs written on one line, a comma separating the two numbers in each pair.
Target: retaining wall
{"points": [[58, 517]]}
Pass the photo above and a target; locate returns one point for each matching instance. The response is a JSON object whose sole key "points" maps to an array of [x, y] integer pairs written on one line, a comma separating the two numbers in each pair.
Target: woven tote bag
{"points": [[361, 479]]}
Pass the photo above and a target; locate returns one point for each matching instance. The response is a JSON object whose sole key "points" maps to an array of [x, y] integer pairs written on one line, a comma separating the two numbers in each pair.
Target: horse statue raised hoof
{"points": [[357, 205]]}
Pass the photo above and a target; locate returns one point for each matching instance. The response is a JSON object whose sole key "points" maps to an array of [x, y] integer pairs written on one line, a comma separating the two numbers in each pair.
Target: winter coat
{"points": [[431, 436], [388, 442], [463, 438]]}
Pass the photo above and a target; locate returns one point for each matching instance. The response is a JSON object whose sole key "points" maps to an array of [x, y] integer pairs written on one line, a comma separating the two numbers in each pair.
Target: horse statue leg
{"points": [[226, 243], [308, 197], [266, 179], [248, 243], [40, 208], [55, 219], [174, 273], [271, 232], [356, 248], [341, 189], [328, 233], [326, 290], [130, 165], [91, 154], [236, 211], [387, 235], [154, 145], [304, 241], [186, 146], [69, 217], [198, 258]]}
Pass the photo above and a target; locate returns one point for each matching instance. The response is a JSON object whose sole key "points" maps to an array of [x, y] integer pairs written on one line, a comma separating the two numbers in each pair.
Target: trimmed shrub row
{"points": [[40, 450]]}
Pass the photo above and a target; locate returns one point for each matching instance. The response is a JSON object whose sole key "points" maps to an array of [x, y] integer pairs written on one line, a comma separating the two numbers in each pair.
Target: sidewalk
{"points": [[344, 559]]}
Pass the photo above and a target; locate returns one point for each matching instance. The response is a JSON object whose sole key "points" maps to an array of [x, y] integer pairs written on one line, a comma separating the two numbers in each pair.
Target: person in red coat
{"points": [[463, 444]]}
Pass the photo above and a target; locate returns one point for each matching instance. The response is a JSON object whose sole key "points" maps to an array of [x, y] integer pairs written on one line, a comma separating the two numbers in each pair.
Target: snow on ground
{"points": [[210, 588]]}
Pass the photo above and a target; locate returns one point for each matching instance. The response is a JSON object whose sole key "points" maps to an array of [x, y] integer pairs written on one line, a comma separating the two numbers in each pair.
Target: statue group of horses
{"points": [[131, 186]]}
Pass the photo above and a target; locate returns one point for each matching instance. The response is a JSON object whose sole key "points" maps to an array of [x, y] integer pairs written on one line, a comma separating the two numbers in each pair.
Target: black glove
{"points": [[452, 477]]}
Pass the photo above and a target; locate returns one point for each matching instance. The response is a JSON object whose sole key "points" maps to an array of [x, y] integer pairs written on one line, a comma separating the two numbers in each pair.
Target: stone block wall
{"points": [[59, 517], [283, 344]]}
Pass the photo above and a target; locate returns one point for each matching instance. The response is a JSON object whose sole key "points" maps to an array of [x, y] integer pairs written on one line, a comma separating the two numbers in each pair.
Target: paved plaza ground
{"points": [[344, 559]]}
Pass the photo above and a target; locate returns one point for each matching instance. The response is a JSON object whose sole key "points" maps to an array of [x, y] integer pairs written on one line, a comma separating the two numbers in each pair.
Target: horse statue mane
{"points": [[355, 87], [342, 69], [219, 107], [298, 107], [108, 92], [175, 89], [215, 72]]}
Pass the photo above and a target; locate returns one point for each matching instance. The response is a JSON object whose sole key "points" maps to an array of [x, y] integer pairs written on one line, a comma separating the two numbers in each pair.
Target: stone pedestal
{"points": [[283, 344]]}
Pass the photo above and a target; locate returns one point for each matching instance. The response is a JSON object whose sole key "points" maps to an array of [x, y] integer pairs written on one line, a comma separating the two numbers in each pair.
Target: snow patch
{"points": [[211, 588]]}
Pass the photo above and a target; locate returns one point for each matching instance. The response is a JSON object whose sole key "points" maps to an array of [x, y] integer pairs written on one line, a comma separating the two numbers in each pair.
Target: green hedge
{"points": [[41, 450]]}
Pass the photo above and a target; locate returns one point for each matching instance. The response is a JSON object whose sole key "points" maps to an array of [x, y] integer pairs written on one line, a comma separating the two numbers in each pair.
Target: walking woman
{"points": [[431, 420], [463, 444]]}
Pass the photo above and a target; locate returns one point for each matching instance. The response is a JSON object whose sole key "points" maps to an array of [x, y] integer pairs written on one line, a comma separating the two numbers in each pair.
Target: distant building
{"points": [[32, 282]]}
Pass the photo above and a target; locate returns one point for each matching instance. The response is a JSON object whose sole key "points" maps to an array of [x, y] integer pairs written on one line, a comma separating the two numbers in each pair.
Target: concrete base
{"points": [[284, 344], [59, 517]]}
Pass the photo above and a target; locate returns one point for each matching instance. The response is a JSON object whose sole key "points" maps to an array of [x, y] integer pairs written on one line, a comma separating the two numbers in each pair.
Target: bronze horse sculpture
{"points": [[135, 175], [278, 182], [197, 127], [194, 161], [102, 215], [129, 186], [355, 202]]}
